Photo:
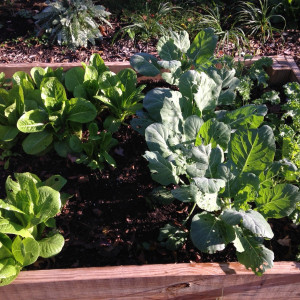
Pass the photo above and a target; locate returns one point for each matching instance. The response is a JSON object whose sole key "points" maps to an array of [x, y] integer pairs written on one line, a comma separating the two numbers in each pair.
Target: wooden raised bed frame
{"points": [[191, 281]]}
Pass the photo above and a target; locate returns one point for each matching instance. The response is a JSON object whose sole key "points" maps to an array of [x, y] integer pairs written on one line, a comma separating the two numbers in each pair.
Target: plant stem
{"points": [[191, 212]]}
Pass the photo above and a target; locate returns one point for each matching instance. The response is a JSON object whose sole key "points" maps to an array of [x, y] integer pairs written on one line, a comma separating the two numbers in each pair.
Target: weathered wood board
{"points": [[226, 281]]}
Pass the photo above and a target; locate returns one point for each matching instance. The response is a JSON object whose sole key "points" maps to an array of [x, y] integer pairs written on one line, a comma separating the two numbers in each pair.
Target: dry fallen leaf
{"points": [[286, 241]]}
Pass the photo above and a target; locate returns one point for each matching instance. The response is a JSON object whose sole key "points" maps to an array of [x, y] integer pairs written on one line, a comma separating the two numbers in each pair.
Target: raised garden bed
{"points": [[180, 281]]}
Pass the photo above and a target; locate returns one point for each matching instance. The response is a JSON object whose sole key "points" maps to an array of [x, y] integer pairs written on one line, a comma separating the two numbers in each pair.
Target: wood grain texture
{"points": [[174, 281]]}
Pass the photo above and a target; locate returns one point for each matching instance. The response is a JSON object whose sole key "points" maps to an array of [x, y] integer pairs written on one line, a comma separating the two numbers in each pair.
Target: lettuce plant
{"points": [[25, 213], [116, 92], [53, 119]]}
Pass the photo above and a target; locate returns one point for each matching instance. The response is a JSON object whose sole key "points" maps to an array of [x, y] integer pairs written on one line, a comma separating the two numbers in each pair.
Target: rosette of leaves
{"points": [[223, 164], [118, 93], [73, 23], [51, 119], [93, 151], [28, 209], [177, 55]]}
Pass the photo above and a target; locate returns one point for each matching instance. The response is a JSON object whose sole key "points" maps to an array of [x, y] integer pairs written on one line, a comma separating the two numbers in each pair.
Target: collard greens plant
{"points": [[220, 161], [28, 209]]}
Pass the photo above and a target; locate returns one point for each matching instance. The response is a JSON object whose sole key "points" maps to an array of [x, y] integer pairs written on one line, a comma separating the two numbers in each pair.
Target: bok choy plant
{"points": [[27, 211]]}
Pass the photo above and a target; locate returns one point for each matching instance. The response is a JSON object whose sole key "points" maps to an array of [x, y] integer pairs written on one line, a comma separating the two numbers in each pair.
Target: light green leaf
{"points": [[37, 142], [33, 121], [9, 207], [252, 150], [251, 220], [145, 64], [215, 133], [167, 50], [191, 127], [9, 270], [37, 74], [52, 92], [208, 202], [181, 40], [80, 110], [278, 201], [51, 246], [209, 233], [209, 185], [255, 255], [203, 47], [25, 251], [73, 78], [56, 182], [12, 228], [97, 62], [162, 171], [247, 117]]}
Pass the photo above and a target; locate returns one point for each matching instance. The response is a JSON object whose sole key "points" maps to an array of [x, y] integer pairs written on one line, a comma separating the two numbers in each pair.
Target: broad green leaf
{"points": [[247, 117], [162, 171], [170, 113], [109, 80], [252, 150], [203, 47], [8, 133], [255, 255], [90, 74], [24, 179], [206, 95], [189, 83], [52, 92], [167, 50], [209, 185], [129, 79], [181, 40], [56, 182], [49, 205], [51, 246], [33, 121], [97, 62], [208, 202], [278, 201], [156, 136], [25, 251], [215, 133], [37, 142], [80, 91], [73, 78], [5, 246], [209, 233], [154, 100], [145, 64], [251, 220], [206, 160], [9, 207], [9, 270], [191, 127], [12, 228], [16, 95], [80, 110], [37, 74], [12, 188], [186, 193], [11, 114]]}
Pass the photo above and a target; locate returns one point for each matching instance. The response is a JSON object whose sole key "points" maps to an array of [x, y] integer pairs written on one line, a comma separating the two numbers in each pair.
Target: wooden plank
{"points": [[177, 281], [283, 70]]}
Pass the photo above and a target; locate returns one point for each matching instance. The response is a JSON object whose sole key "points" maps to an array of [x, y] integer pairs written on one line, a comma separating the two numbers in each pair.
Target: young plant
{"points": [[73, 23], [28, 209], [177, 55], [116, 92], [53, 119], [93, 151]]}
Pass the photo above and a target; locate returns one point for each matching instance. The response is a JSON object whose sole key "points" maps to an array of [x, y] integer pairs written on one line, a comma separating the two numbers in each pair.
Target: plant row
{"points": [[210, 144]]}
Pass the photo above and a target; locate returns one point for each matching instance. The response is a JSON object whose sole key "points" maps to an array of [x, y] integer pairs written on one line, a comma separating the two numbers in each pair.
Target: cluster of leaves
{"points": [[27, 211], [36, 111], [220, 161], [73, 23]]}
